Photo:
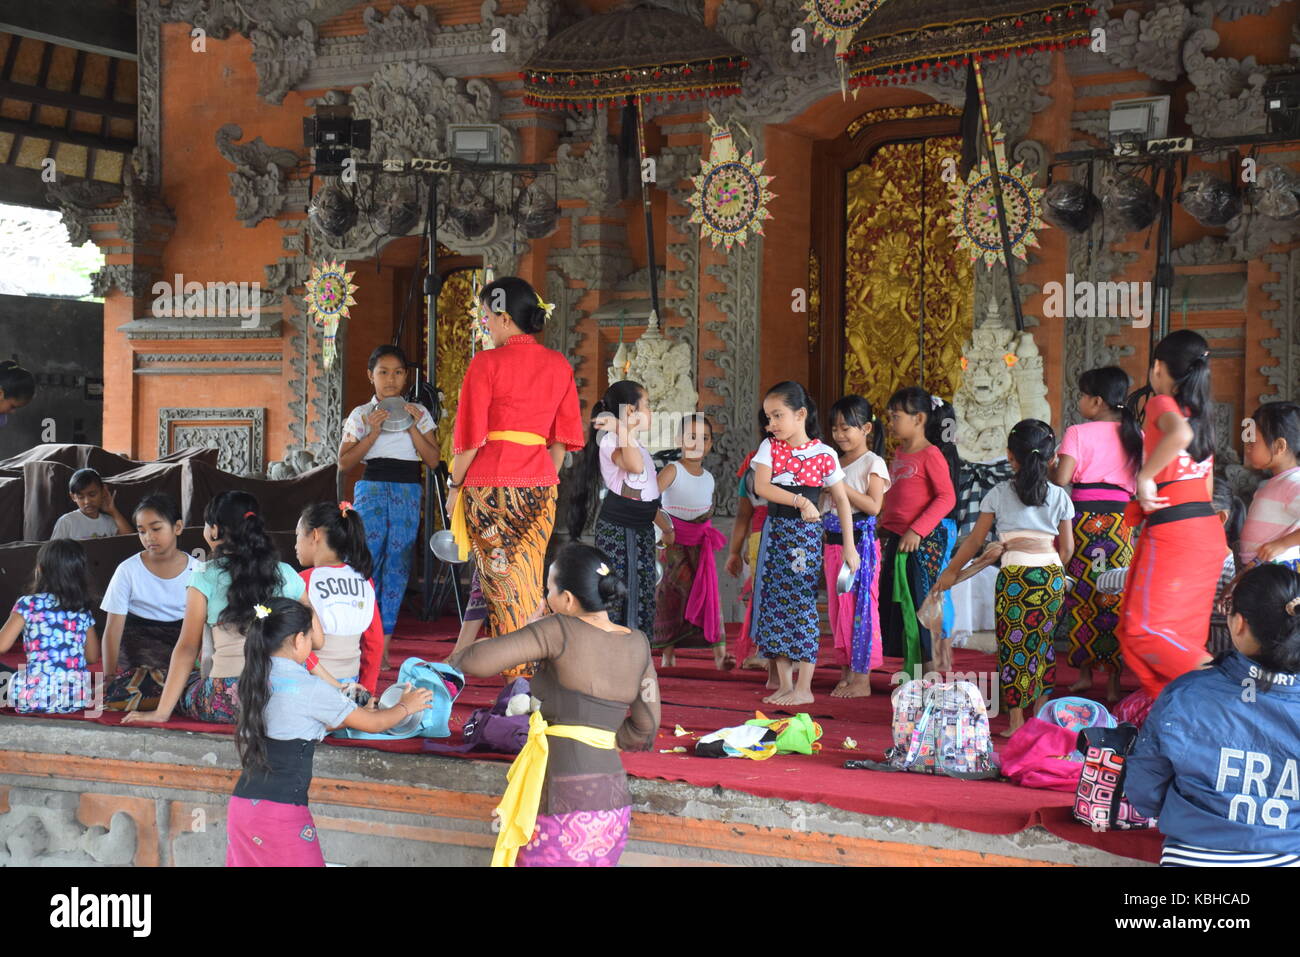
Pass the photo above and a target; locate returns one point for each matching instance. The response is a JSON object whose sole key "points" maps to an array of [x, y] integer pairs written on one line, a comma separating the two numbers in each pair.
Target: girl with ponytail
{"points": [[283, 712], [1030, 512], [331, 546], [616, 461], [917, 533], [1216, 758], [245, 569], [1169, 594], [1099, 460]]}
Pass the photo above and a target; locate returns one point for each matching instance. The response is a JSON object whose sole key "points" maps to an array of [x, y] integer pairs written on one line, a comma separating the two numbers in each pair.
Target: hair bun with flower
{"points": [[345, 507], [261, 611], [546, 307]]}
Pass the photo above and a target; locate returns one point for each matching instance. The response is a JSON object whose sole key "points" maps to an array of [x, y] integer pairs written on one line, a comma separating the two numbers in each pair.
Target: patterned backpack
{"points": [[1099, 800], [941, 729]]}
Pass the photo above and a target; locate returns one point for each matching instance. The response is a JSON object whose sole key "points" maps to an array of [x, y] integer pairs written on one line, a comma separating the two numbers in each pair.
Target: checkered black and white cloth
{"points": [[975, 480]]}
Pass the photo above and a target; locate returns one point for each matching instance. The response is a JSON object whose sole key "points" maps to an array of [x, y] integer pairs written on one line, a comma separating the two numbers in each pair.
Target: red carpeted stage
{"points": [[700, 699]]}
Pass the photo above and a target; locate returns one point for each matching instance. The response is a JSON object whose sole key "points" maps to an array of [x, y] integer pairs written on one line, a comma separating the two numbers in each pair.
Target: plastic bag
{"points": [[1277, 195], [1209, 200], [1070, 206], [930, 614], [1132, 203]]}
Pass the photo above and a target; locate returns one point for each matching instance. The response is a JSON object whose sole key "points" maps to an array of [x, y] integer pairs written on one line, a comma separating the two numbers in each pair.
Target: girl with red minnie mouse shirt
{"points": [[791, 470]]}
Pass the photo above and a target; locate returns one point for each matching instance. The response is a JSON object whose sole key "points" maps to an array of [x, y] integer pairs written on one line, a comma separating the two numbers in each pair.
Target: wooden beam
{"points": [[96, 26], [66, 101], [73, 137]]}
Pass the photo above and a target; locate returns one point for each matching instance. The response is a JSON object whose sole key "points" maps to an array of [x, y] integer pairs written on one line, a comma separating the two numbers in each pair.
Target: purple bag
{"points": [[490, 729]]}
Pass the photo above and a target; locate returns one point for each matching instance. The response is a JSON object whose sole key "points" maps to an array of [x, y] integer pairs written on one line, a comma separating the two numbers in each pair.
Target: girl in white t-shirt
{"points": [[855, 616], [791, 469], [331, 546], [145, 602], [688, 612]]}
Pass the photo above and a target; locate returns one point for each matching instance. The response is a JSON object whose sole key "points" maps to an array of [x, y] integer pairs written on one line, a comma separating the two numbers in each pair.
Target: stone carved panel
{"points": [[563, 332], [41, 829], [135, 281], [736, 433], [238, 435], [1150, 40], [282, 59], [1228, 98], [1284, 348], [592, 175], [258, 181], [399, 30], [78, 202]]}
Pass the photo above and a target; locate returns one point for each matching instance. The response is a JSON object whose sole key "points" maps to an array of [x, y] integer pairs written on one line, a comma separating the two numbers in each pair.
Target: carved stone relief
{"points": [[241, 447], [41, 829], [258, 181], [1284, 349], [1228, 98], [135, 281], [78, 202], [1150, 41]]}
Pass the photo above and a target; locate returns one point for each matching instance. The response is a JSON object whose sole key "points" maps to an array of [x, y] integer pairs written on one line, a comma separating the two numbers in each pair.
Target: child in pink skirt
{"points": [[284, 711]]}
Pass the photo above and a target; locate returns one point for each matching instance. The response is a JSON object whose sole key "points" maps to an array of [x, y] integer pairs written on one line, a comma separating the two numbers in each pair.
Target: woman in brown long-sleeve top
{"points": [[591, 674]]}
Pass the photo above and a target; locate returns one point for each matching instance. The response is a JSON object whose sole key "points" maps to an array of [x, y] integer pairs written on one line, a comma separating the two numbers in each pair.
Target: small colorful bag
{"points": [[939, 729], [1099, 800]]}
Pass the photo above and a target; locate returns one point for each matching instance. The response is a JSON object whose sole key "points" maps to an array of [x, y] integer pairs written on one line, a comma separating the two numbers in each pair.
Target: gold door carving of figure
{"points": [[885, 216]]}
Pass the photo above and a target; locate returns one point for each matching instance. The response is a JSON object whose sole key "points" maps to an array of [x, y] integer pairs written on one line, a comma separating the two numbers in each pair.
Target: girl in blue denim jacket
{"points": [[1218, 759]]}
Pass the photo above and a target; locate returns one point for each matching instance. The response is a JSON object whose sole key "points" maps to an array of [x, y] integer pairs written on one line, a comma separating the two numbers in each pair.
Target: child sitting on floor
{"points": [[331, 545], [1215, 761], [58, 630], [285, 712], [96, 515]]}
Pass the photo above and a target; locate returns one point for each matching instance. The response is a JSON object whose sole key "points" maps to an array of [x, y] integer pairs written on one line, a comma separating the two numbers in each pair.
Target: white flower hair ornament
{"points": [[547, 307], [935, 402], [602, 570], [261, 611]]}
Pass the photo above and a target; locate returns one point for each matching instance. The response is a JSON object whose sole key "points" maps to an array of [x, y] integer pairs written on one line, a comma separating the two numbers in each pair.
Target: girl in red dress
{"points": [[1165, 615]]}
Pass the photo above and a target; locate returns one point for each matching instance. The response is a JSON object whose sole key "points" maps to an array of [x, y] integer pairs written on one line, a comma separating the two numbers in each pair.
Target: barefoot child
{"points": [[922, 492], [1272, 529], [855, 616], [792, 469], [58, 631], [1030, 511], [1099, 459], [1165, 615], [688, 611], [285, 711]]}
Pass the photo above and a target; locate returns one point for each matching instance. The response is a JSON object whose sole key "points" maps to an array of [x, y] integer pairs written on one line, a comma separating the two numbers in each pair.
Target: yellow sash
{"points": [[517, 811], [460, 527]]}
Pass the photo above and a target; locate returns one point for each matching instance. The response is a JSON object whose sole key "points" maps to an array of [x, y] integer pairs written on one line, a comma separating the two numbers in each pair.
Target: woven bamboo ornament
{"points": [[328, 295], [731, 195]]}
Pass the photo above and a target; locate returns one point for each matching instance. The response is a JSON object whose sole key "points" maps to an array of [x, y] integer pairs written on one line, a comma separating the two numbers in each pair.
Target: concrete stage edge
{"points": [[90, 794]]}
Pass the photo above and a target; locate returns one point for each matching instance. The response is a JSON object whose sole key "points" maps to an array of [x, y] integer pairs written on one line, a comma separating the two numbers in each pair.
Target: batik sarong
{"points": [[577, 839], [854, 617], [144, 657], [923, 568], [1088, 617], [1027, 602], [786, 621]]}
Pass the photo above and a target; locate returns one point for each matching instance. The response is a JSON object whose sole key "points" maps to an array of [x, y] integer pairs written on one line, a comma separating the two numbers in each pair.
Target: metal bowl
{"points": [[844, 583], [389, 699], [444, 546], [399, 420]]}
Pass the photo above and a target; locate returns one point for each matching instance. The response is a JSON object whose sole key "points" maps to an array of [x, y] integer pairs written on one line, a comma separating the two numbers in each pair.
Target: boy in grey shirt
{"points": [[96, 515]]}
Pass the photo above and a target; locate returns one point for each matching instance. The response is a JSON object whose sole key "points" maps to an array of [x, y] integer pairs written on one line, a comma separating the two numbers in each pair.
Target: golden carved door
{"points": [[896, 290]]}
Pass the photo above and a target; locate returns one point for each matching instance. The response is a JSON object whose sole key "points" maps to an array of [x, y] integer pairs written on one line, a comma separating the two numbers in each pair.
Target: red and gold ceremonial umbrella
{"points": [[907, 40], [627, 58]]}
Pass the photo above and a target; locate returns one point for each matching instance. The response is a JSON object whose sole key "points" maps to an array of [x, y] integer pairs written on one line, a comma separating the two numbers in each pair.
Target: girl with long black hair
{"points": [[17, 388], [57, 625], [1169, 594], [1030, 512], [918, 530], [616, 459], [1098, 460], [245, 569], [283, 712]]}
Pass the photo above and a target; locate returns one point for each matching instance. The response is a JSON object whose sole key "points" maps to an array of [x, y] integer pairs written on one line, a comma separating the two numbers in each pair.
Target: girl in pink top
{"points": [[1272, 529], [915, 543], [1099, 459]]}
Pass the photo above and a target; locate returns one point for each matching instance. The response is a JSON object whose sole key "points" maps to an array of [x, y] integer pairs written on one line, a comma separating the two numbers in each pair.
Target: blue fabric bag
{"points": [[435, 722]]}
